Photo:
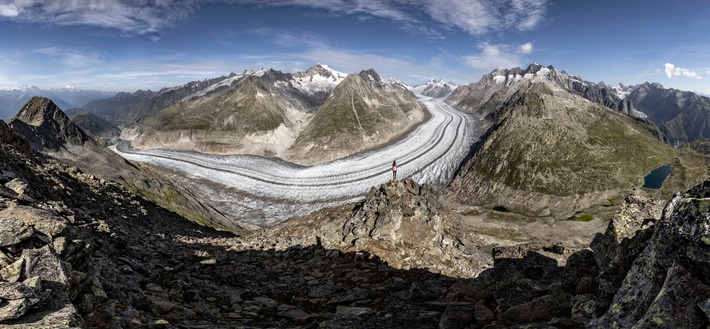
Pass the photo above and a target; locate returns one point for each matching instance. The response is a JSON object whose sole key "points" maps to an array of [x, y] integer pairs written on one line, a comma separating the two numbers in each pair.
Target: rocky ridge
{"points": [[46, 127], [494, 88], [400, 222], [681, 115], [53, 135]]}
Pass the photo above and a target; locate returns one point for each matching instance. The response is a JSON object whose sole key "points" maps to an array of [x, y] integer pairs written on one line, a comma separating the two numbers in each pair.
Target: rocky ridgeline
{"points": [[76, 250]]}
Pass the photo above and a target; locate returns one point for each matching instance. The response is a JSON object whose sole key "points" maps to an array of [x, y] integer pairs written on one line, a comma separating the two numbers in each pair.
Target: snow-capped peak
{"points": [[435, 88], [396, 82], [69, 88], [319, 78], [621, 90], [23, 88]]}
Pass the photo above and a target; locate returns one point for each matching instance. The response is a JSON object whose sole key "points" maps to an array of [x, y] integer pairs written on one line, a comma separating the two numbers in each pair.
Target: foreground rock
{"points": [[400, 222]]}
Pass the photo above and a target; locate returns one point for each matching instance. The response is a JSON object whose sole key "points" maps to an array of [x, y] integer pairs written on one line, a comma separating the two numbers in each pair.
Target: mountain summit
{"points": [[45, 126], [436, 88]]}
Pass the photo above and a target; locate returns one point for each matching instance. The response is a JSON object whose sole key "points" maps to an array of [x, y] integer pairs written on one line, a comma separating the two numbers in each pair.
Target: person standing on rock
{"points": [[394, 170]]}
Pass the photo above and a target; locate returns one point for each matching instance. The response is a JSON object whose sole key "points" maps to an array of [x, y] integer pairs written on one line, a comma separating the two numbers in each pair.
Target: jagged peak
{"points": [[38, 110], [46, 126], [370, 75]]}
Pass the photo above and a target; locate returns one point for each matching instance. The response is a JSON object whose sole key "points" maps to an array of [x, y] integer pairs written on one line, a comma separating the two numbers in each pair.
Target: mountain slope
{"points": [[683, 116], [549, 150], [107, 108], [362, 112], [256, 113], [97, 128], [52, 134]]}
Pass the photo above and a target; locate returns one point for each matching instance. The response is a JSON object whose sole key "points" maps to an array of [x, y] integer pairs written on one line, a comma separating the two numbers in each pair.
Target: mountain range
{"points": [[12, 99], [305, 117]]}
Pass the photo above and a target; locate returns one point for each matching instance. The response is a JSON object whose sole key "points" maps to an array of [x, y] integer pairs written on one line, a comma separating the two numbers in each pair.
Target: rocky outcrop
{"points": [[46, 127], [400, 222], [667, 285], [8, 137]]}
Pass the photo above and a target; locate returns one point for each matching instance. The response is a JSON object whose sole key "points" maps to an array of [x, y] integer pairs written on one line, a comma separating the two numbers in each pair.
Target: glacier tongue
{"points": [[266, 191]]}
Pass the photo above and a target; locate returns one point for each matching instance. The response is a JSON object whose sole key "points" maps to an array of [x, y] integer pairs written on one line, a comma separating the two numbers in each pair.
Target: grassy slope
{"points": [[247, 109], [565, 146]]}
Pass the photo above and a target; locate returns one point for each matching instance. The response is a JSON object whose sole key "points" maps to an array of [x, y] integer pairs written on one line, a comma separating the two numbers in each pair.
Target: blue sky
{"points": [[149, 44]]}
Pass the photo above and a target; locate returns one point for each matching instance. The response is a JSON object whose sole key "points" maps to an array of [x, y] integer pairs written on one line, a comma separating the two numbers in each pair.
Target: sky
{"points": [[125, 45]]}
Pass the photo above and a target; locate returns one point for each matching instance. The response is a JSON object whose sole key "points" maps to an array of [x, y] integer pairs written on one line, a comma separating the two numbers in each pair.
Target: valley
{"points": [[265, 191], [360, 164]]}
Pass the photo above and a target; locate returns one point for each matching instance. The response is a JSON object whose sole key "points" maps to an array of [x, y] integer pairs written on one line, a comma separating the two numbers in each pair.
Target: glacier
{"points": [[266, 191]]}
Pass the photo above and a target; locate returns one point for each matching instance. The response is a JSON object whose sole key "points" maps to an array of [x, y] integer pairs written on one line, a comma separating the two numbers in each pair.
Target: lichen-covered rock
{"points": [[622, 242], [669, 278], [13, 231], [46, 222], [44, 263], [18, 297]]}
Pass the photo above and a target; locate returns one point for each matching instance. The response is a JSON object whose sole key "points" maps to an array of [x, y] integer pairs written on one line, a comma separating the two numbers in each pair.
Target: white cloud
{"points": [[674, 71], [9, 10], [526, 48], [479, 17], [500, 56], [131, 18], [71, 57], [493, 57], [285, 38], [476, 17]]}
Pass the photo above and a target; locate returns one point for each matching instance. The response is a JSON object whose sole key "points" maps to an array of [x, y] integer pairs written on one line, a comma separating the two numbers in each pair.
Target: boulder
{"points": [[13, 231]]}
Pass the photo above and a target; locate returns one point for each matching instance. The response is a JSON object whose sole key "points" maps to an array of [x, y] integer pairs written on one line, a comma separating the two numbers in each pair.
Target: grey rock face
{"points": [[681, 115], [45, 126], [13, 231]]}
